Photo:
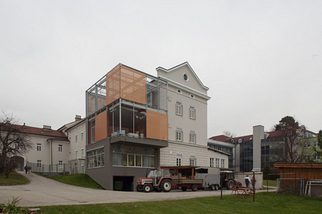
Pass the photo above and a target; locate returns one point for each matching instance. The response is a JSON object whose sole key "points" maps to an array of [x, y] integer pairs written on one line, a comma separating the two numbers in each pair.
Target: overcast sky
{"points": [[262, 60]]}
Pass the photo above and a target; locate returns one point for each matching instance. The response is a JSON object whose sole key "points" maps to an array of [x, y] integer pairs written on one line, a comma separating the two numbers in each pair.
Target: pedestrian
{"points": [[26, 169], [247, 181]]}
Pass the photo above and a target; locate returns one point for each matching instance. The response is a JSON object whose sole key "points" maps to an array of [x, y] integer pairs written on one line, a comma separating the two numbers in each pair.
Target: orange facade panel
{"points": [[133, 85], [156, 125], [101, 126], [127, 83], [113, 84]]}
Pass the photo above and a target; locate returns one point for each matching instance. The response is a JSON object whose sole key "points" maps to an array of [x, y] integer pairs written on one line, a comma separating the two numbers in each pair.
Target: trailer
{"points": [[210, 177], [183, 177]]}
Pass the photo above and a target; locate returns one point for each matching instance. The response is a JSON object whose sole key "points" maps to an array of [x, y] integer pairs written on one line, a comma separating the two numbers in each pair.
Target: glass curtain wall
{"points": [[133, 121], [131, 156]]}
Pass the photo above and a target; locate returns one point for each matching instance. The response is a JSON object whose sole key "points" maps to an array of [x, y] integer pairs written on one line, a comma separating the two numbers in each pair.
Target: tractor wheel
{"points": [[230, 184], [213, 187], [139, 188], [184, 189], [194, 188], [166, 186], [147, 188]]}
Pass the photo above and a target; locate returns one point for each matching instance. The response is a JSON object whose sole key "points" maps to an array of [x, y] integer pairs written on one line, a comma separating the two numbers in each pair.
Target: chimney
{"points": [[46, 127], [78, 117]]}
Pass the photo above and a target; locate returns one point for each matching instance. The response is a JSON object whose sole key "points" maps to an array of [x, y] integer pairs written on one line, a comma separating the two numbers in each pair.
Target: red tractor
{"points": [[157, 180]]}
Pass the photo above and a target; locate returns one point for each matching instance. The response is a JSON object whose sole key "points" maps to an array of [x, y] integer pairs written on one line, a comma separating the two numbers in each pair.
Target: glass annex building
{"points": [[127, 124]]}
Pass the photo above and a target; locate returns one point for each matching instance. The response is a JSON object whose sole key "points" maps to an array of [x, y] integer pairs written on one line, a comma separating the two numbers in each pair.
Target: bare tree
{"points": [[293, 134], [13, 142]]}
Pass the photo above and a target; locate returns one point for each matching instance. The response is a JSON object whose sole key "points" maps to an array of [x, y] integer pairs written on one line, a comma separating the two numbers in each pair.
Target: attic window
{"points": [[185, 77]]}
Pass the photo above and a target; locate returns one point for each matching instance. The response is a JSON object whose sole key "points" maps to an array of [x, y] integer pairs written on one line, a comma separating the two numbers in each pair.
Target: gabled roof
{"points": [[42, 132], [182, 65]]}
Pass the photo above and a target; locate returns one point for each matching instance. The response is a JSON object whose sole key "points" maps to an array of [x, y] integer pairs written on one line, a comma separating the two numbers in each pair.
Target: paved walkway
{"points": [[46, 192]]}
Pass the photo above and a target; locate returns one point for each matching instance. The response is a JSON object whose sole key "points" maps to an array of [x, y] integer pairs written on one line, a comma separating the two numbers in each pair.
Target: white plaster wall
{"points": [[177, 76], [80, 144], [33, 155], [199, 125], [168, 155], [45, 155]]}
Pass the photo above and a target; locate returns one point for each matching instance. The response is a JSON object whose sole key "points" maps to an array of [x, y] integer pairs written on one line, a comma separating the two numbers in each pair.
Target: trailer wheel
{"points": [[139, 188], [184, 189], [194, 188], [166, 186], [216, 187], [147, 188]]}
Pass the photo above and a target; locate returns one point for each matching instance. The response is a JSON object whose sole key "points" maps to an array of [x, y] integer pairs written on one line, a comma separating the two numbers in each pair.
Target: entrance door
{"points": [[123, 183]]}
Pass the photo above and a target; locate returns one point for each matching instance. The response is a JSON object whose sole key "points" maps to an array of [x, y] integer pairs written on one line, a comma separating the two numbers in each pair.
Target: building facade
{"points": [[136, 121], [262, 148]]}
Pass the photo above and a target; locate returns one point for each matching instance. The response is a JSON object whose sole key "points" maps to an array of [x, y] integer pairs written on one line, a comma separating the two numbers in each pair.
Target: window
{"points": [[38, 163], [82, 136], [179, 160], [95, 158], [75, 138], [82, 152], [212, 162], [38, 147], [315, 143], [133, 156], [60, 164], [217, 162], [192, 113], [60, 148], [179, 108], [75, 153], [179, 135], [192, 137], [192, 161], [185, 77], [222, 163]]}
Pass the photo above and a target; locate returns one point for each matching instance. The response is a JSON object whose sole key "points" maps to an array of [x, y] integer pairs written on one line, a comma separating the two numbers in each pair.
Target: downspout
{"points": [[51, 153]]}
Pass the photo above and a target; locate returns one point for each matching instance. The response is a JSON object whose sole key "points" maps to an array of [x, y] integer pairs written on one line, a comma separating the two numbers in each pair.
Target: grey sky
{"points": [[262, 60]]}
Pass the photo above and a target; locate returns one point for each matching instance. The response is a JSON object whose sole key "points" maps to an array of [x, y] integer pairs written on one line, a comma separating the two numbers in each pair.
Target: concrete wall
{"points": [[258, 135], [240, 176]]}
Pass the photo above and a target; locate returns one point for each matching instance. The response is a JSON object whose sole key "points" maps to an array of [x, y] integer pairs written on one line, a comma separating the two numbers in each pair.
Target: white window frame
{"points": [[38, 163], [179, 109], [179, 135], [192, 161], [38, 147], [60, 148], [82, 136], [179, 160], [192, 137], [222, 162], [217, 162], [192, 113], [75, 138], [212, 162]]}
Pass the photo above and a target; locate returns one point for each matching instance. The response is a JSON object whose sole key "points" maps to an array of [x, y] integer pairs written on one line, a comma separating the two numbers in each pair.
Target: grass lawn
{"points": [[270, 183], [81, 180], [265, 203], [13, 179]]}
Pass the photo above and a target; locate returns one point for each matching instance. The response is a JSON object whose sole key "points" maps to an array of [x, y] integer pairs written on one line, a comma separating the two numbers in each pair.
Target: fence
{"points": [[52, 169]]}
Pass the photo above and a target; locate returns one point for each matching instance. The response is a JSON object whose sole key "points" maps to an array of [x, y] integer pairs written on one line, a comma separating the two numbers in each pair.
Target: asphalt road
{"points": [[46, 192]]}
